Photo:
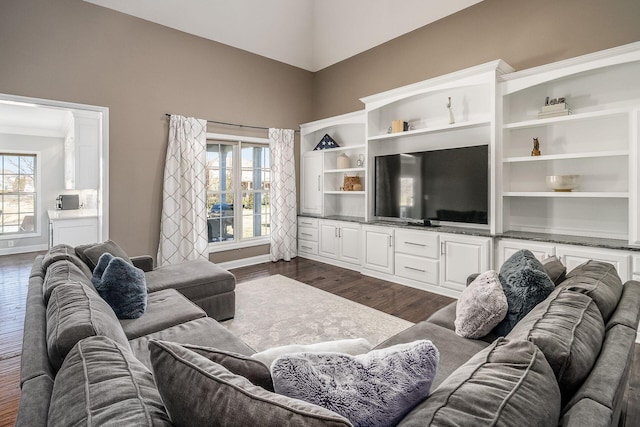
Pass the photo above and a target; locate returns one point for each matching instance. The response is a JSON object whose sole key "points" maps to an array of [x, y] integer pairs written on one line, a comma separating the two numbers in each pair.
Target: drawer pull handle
{"points": [[415, 269], [306, 247], [305, 234], [415, 244]]}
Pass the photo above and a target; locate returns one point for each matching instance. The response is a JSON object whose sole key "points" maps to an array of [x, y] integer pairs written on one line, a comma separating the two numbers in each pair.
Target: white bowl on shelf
{"points": [[563, 182]]}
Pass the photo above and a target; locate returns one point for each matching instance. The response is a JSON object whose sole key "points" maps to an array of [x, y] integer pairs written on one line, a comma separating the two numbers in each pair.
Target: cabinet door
{"points": [[311, 194], [328, 239], [572, 257], [74, 232], [460, 257], [506, 248], [350, 243], [87, 157], [378, 249]]}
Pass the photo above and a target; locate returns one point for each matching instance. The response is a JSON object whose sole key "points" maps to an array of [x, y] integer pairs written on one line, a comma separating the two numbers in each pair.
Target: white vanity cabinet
{"points": [[339, 243], [73, 227], [377, 243]]}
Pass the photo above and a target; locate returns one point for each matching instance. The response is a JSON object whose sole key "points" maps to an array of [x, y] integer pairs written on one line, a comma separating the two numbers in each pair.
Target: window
{"points": [[17, 193], [237, 212]]}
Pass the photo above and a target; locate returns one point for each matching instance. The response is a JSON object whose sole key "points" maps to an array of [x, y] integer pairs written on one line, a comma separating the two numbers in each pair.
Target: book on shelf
{"points": [[554, 114], [554, 107]]}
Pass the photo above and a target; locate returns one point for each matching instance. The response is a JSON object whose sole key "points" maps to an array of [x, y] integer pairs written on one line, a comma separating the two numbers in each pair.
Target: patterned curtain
{"points": [[183, 226], [284, 227]]}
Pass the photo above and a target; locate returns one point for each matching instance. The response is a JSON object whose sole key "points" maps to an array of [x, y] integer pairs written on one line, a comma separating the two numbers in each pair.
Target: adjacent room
{"points": [[319, 212]]}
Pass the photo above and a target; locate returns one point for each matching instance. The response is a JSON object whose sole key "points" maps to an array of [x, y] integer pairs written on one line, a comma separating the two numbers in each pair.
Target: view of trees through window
{"points": [[237, 212], [17, 193]]}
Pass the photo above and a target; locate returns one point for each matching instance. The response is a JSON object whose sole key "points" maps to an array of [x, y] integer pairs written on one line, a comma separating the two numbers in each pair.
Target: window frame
{"points": [[37, 215], [237, 142]]}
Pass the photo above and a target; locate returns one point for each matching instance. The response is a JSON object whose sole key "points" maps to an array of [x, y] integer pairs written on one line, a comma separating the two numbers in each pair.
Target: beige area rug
{"points": [[276, 310]]}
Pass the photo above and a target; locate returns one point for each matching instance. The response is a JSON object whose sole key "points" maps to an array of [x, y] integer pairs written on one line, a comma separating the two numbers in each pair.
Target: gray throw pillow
{"points": [[102, 383], [373, 389], [509, 383], [568, 328], [223, 398], [525, 284], [555, 269], [91, 254], [481, 306], [122, 285], [245, 366]]}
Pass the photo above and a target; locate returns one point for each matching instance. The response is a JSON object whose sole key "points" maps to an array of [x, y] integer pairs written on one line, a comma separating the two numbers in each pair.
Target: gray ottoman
{"points": [[204, 283]]}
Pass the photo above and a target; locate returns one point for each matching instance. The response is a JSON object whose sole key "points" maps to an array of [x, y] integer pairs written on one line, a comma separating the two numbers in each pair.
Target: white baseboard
{"points": [[244, 262], [23, 249]]}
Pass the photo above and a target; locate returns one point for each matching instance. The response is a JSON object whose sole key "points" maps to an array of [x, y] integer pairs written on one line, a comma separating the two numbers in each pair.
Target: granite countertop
{"points": [[595, 242]]}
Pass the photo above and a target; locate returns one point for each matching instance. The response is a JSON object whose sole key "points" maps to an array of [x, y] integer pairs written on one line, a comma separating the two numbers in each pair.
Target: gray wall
{"points": [[73, 51], [523, 33], [51, 181]]}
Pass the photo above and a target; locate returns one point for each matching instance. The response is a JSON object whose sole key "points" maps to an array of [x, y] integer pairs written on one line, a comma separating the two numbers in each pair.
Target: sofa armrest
{"points": [[143, 262]]}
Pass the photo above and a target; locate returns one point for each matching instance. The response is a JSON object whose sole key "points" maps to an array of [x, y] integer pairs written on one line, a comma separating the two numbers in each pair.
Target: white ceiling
{"points": [[29, 119], [309, 34]]}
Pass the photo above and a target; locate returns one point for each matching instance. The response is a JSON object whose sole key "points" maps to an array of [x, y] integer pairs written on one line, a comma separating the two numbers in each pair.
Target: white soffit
{"points": [[29, 119], [309, 34]]}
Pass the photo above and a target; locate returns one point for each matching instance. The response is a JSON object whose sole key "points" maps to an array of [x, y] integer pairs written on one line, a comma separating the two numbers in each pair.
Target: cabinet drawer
{"points": [[304, 221], [308, 233], [419, 243], [417, 268], [307, 247]]}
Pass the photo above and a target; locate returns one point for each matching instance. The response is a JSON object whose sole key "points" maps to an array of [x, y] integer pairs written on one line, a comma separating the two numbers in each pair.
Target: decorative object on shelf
{"points": [[343, 162], [536, 148], [360, 161], [357, 187], [326, 142], [350, 182], [555, 107], [451, 119], [399, 126], [563, 183]]}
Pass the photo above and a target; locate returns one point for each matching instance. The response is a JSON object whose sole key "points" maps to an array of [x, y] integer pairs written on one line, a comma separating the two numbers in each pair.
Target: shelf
{"points": [[568, 194], [344, 170], [444, 128], [345, 192], [595, 154], [570, 118], [345, 148]]}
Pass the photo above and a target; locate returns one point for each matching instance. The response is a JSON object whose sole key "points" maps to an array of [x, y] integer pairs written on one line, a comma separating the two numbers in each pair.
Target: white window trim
{"points": [[38, 213], [237, 176]]}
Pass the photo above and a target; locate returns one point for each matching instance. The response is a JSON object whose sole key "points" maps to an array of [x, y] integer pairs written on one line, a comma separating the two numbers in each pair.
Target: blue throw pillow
{"points": [[526, 284], [374, 389], [122, 286]]}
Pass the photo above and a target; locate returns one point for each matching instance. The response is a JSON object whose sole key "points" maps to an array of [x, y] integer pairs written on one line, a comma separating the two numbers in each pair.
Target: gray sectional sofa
{"points": [[567, 362]]}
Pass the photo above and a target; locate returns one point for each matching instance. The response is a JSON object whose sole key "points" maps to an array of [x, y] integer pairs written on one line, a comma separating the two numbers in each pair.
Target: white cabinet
{"points": [[378, 248], [462, 256], [595, 141], [506, 248], [82, 151], [417, 256], [323, 190], [340, 240], [573, 256], [311, 178], [73, 227], [307, 236], [635, 270]]}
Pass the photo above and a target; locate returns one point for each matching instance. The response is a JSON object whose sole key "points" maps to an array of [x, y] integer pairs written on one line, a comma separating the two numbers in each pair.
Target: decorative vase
{"points": [[343, 161]]}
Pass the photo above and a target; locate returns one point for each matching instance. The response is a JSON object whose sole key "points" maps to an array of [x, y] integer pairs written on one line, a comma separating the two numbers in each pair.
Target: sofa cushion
{"points": [[76, 312], [525, 284], [600, 281], [164, 309], [61, 272], [205, 332], [568, 328], [223, 398], [481, 306], [100, 383], [351, 385], [245, 366], [194, 279], [123, 286], [555, 269], [90, 254], [64, 252], [351, 346], [510, 383], [455, 350]]}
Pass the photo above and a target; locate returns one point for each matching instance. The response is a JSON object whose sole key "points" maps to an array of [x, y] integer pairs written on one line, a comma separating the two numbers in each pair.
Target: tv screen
{"points": [[446, 185]]}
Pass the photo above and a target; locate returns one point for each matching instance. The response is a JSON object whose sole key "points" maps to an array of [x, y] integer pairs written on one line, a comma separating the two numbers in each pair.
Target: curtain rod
{"points": [[234, 124]]}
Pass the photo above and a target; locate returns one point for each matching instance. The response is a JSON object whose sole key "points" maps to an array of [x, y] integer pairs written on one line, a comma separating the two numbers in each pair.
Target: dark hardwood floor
{"points": [[407, 303]]}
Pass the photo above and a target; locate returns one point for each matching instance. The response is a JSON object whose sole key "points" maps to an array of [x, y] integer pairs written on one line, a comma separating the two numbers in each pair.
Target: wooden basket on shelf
{"points": [[350, 182]]}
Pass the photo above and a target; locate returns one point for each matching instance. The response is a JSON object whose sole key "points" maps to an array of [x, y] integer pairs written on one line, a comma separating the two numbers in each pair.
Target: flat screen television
{"points": [[450, 185]]}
